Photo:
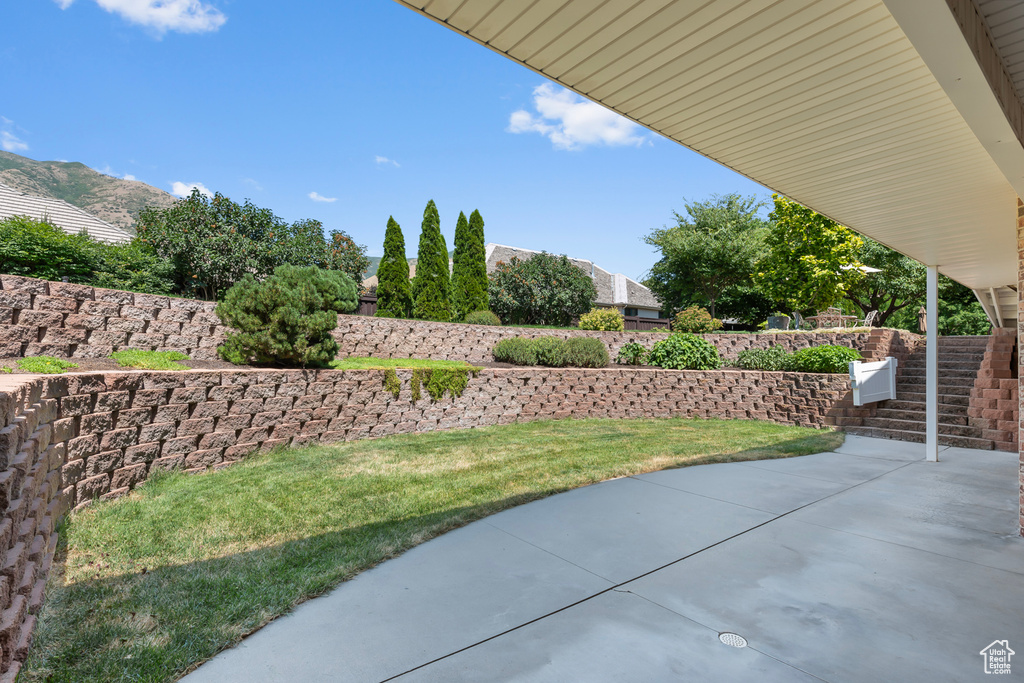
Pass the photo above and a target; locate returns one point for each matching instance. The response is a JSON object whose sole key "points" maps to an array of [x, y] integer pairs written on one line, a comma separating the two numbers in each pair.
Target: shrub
{"points": [[823, 359], [695, 320], [606, 319], [515, 350], [38, 249], [542, 290], [551, 351], [286, 319], [684, 352], [586, 352], [631, 354], [134, 267], [774, 358], [483, 318]]}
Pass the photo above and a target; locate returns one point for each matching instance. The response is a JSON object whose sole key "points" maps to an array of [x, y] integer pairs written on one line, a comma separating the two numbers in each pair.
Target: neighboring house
{"points": [[68, 218], [614, 290]]}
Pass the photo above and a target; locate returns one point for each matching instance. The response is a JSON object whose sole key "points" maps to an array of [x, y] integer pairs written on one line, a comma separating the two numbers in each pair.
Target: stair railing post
{"points": [[931, 391]]}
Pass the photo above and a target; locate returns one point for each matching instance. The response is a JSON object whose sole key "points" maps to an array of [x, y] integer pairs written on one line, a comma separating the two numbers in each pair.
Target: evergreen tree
{"points": [[430, 287], [476, 259], [394, 293], [460, 267]]}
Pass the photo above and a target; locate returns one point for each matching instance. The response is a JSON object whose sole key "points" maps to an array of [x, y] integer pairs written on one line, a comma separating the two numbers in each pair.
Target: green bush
{"points": [[823, 359], [515, 350], [483, 318], [632, 354], [37, 249], [603, 319], [684, 352], [133, 267], [774, 358], [286, 319], [696, 320], [586, 352], [551, 351], [542, 290]]}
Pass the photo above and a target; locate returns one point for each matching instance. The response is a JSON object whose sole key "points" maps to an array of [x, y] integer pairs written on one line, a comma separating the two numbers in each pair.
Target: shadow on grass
{"points": [[157, 623]]}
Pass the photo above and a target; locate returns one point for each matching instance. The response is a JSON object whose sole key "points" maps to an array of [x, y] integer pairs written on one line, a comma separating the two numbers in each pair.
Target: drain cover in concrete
{"points": [[733, 639]]}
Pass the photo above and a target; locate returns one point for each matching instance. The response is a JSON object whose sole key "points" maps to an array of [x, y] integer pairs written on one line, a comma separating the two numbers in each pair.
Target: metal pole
{"points": [[931, 447]]}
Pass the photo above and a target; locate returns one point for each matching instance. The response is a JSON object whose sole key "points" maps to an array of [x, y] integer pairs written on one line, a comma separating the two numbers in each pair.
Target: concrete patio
{"points": [[867, 564]]}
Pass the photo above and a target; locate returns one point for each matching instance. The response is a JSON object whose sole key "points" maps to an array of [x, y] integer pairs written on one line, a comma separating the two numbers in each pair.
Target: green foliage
{"points": [[542, 290], [823, 359], [773, 358], [133, 267], [515, 350], [345, 255], [44, 365], [430, 286], [899, 285], [149, 360], [551, 351], [684, 352], [811, 260], [695, 320], [632, 354], [394, 293], [710, 251], [606, 319], [6, 370], [469, 267], [439, 381], [286, 319], [483, 318], [392, 383], [586, 352], [38, 249]]}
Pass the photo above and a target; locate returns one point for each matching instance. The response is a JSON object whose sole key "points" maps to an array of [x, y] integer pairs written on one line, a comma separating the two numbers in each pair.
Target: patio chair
{"points": [[869, 320]]}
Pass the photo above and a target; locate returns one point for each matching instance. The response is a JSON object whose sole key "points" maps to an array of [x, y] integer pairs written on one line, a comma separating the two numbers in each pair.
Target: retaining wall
{"points": [[67, 440]]}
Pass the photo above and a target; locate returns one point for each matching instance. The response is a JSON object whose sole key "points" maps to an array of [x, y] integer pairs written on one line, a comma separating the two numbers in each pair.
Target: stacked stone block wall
{"points": [[1020, 355], [38, 317], [994, 403], [70, 439]]}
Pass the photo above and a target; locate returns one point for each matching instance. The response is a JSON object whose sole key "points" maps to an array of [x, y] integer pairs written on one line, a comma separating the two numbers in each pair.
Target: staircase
{"points": [[903, 418]]}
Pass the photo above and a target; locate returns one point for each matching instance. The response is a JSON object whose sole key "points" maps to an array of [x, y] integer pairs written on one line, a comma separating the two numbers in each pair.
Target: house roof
{"points": [[613, 289], [68, 218]]}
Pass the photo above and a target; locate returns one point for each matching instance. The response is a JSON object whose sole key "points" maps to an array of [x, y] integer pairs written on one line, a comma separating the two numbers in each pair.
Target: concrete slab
{"points": [[613, 637], [841, 468], [623, 528], [886, 449], [452, 592], [843, 607], [756, 488]]}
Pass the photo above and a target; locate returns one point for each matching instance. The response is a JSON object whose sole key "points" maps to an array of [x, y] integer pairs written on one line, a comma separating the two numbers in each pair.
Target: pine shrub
{"points": [[483, 318], [430, 287], [394, 293], [684, 352], [287, 318], [695, 320], [586, 352], [606, 319]]}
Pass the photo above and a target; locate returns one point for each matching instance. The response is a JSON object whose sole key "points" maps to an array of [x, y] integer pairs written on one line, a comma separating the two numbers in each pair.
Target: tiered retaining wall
{"points": [[67, 440], [994, 404]]}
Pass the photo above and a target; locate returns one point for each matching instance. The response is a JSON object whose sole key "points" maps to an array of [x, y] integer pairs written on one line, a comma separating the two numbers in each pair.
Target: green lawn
{"points": [[154, 583]]}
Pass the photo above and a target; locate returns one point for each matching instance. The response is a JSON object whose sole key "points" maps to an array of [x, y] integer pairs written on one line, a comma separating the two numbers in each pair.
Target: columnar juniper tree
{"points": [[394, 293], [469, 274], [430, 295]]}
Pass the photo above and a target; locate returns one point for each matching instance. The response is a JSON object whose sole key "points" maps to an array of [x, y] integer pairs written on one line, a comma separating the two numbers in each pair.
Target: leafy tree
{"points": [[469, 272], [350, 258], [711, 249], [39, 249], [287, 318], [394, 293], [430, 287], [134, 267], [811, 260], [542, 290], [900, 284]]}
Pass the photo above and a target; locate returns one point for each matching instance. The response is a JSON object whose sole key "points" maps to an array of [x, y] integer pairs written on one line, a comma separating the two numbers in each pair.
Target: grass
{"points": [[358, 363], [150, 360], [154, 583], [45, 365]]}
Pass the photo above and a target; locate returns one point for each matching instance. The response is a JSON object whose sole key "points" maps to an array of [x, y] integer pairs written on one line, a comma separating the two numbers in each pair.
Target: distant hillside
{"points": [[111, 199], [375, 263]]}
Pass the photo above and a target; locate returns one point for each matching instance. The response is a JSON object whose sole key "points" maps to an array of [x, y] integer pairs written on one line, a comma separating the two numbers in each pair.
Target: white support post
{"points": [[931, 391]]}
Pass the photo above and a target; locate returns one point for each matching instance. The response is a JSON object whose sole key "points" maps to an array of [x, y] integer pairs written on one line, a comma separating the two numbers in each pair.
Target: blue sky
{"points": [[370, 106]]}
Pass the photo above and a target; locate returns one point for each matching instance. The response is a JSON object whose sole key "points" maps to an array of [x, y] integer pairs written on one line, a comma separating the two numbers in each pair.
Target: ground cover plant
{"points": [[150, 360], [153, 583], [45, 365]]}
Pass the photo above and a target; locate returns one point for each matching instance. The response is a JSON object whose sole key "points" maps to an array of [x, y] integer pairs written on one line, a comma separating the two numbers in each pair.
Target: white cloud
{"points": [[571, 122], [12, 143], [180, 189], [129, 176], [384, 160], [317, 197], [184, 16]]}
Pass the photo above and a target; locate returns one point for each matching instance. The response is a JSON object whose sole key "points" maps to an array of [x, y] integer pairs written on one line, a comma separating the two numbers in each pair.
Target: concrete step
{"points": [[919, 437]]}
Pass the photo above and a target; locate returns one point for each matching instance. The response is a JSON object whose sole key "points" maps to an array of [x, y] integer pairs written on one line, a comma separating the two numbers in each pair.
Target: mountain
{"points": [[111, 199], [375, 263]]}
